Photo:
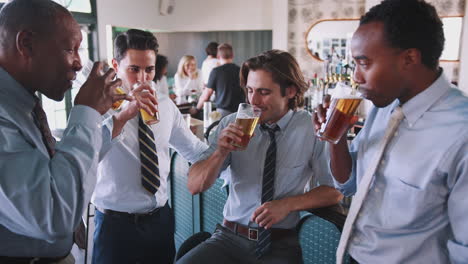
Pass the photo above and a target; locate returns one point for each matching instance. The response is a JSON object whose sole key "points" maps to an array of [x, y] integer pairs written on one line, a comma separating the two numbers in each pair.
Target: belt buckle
{"points": [[253, 234]]}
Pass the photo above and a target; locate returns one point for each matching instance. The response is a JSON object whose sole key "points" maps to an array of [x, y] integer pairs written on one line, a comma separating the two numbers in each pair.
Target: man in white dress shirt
{"points": [[135, 224]]}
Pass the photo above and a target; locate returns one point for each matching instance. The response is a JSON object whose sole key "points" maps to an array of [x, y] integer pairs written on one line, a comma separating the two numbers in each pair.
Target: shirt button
{"points": [[396, 134], [382, 162], [377, 189]]}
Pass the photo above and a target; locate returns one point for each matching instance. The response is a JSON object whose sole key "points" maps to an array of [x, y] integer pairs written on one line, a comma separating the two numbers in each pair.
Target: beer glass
{"points": [[147, 118], [116, 105], [339, 115], [247, 117]]}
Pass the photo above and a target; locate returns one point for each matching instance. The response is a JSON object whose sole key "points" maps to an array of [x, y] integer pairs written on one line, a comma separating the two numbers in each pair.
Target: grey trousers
{"points": [[226, 247]]}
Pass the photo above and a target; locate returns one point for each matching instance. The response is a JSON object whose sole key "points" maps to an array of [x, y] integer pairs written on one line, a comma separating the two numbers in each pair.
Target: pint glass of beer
{"points": [[339, 117], [247, 117], [147, 118]]}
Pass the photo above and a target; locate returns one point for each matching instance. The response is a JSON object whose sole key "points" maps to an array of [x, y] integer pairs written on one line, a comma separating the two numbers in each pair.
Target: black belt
{"points": [[252, 233], [29, 260], [130, 215]]}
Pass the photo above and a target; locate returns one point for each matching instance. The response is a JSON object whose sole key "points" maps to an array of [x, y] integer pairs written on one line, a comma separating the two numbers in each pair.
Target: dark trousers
{"points": [[127, 239], [226, 247]]}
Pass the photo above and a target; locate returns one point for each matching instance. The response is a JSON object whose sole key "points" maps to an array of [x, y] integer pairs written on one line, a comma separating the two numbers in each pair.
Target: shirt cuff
{"points": [[347, 188], [85, 115], [458, 252]]}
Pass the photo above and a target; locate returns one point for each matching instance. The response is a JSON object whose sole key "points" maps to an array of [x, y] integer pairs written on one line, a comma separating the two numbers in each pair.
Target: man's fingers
{"points": [[326, 101], [119, 97], [267, 223], [232, 137], [316, 122], [97, 68], [109, 74], [115, 83], [146, 104], [320, 114], [261, 217], [235, 129]]}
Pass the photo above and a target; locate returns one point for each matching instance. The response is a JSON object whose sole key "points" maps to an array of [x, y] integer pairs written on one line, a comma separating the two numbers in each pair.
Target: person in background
{"points": [[160, 75], [45, 185], [283, 170], [414, 208], [188, 80], [224, 80], [134, 223], [210, 62]]}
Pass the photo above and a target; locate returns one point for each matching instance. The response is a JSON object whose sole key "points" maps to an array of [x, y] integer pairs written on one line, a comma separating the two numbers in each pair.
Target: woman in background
{"points": [[188, 80], [160, 75]]}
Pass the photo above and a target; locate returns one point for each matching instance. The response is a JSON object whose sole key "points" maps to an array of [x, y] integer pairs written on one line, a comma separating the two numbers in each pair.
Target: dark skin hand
{"points": [[98, 92]]}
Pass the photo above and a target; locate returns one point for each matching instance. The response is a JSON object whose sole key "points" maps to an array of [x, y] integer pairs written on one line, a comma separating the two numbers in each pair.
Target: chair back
{"points": [[212, 206], [319, 235], [181, 199]]}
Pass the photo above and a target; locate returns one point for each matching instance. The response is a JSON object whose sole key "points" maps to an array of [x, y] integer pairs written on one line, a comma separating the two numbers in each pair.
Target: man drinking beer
{"points": [[134, 223], [408, 166], [268, 179]]}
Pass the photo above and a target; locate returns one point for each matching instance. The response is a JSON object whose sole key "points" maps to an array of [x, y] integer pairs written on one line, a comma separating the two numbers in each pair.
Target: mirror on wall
{"points": [[329, 39]]}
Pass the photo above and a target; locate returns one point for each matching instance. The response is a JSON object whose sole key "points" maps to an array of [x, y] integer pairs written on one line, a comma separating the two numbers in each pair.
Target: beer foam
{"points": [[343, 91]]}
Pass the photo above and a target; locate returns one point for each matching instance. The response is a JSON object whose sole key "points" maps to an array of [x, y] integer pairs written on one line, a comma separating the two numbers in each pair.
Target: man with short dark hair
{"points": [[408, 166], [210, 62], [134, 223], [44, 186], [224, 80], [282, 170]]}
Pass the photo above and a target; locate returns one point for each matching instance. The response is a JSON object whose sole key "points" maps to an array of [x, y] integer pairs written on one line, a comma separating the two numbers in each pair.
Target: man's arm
{"points": [[273, 212], [340, 159], [457, 202], [204, 173], [206, 94], [44, 197]]}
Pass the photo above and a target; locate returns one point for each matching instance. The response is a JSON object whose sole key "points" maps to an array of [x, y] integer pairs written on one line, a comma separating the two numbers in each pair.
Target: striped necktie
{"points": [[264, 236], [40, 119], [148, 157], [365, 183]]}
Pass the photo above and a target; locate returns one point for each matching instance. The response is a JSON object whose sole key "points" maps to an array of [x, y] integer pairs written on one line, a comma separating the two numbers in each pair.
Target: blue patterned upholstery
{"points": [[212, 205], [181, 199], [319, 240]]}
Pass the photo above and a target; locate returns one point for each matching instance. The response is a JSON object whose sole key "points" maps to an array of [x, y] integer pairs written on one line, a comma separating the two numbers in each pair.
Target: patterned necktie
{"points": [[264, 236], [148, 157], [40, 119], [365, 182]]}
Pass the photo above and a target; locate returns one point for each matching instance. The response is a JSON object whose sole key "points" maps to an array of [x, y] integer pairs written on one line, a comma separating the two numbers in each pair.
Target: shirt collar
{"points": [[16, 92], [418, 105], [284, 121]]}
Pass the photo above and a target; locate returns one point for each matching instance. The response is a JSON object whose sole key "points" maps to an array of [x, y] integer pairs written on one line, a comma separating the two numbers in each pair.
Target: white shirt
{"points": [[184, 86], [162, 87], [208, 65], [119, 180]]}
